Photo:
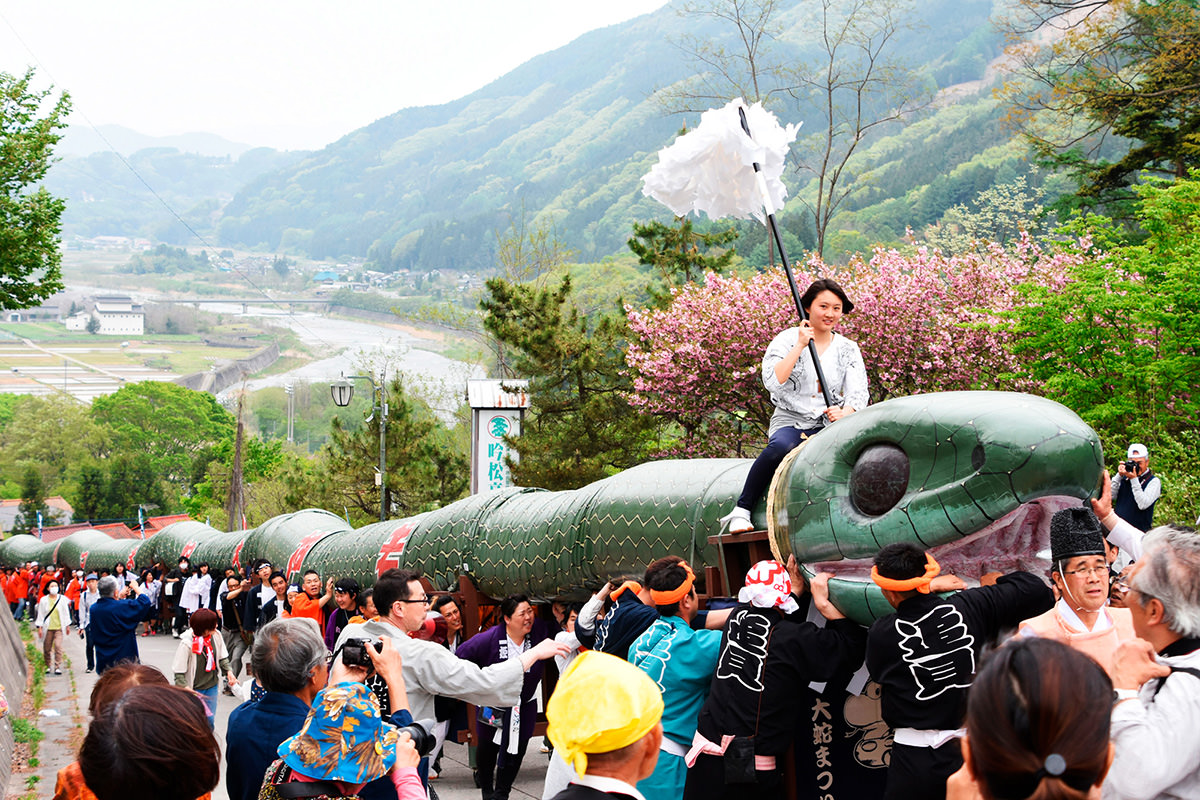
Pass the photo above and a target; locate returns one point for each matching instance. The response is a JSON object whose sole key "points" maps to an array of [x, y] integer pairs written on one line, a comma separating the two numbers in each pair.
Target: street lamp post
{"points": [[342, 391]]}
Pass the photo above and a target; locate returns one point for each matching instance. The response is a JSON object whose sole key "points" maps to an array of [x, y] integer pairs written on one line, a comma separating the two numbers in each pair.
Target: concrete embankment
{"points": [[222, 377]]}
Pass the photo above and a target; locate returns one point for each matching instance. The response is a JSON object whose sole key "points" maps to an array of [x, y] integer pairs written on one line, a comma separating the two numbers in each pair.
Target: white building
{"points": [[78, 322], [119, 316]]}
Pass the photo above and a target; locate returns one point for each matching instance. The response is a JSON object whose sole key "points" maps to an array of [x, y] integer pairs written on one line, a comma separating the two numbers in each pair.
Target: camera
{"points": [[354, 652], [1131, 466], [421, 732]]}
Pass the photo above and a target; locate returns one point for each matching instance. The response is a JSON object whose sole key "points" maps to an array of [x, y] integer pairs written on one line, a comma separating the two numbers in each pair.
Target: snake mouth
{"points": [[1017, 541]]}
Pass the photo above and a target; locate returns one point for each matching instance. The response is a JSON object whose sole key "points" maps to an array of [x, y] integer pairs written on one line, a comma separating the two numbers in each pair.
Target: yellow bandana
{"points": [[602, 703]]}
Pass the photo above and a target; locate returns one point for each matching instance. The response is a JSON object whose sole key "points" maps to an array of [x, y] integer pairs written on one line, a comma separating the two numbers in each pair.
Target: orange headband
{"points": [[634, 585], [920, 583], [665, 598]]}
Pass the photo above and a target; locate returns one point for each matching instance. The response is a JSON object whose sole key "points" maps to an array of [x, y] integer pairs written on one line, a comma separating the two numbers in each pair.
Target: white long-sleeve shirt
{"points": [[196, 592], [1124, 535], [798, 400], [59, 618], [86, 601], [430, 669], [1156, 738], [1144, 497]]}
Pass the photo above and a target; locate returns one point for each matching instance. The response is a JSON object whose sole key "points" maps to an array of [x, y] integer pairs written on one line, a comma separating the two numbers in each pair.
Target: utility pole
{"points": [[235, 508], [290, 389]]}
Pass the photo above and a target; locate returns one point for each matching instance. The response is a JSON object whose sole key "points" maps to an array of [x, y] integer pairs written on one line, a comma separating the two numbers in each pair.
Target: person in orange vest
{"points": [[72, 592], [35, 588], [50, 574], [6, 577], [18, 591], [309, 602]]}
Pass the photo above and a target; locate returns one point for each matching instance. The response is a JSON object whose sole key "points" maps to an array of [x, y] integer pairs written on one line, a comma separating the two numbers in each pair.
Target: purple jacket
{"points": [[338, 619], [483, 649]]}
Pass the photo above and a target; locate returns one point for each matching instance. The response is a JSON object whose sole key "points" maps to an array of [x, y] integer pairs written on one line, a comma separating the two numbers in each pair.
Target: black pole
{"points": [[787, 268]]}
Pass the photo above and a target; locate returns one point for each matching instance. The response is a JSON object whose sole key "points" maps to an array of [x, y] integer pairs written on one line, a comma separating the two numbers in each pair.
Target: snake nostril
{"points": [[879, 479]]}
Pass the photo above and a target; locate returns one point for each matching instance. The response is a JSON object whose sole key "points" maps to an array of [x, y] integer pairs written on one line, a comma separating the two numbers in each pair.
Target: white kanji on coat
{"points": [[745, 649], [938, 650]]}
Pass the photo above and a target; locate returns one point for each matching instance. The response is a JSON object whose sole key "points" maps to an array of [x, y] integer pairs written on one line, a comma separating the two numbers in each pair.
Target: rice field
{"points": [[43, 358]]}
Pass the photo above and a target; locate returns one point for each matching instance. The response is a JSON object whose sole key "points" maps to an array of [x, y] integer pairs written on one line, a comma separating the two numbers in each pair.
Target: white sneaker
{"points": [[175, 634], [738, 520]]}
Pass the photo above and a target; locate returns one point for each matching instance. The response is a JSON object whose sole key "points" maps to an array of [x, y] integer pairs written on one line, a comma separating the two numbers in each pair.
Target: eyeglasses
{"points": [[1125, 586], [1083, 572], [424, 600]]}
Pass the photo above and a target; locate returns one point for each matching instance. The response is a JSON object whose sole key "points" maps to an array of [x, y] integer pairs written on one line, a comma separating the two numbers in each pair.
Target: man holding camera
{"points": [[289, 659], [113, 622], [429, 669], [1135, 489]]}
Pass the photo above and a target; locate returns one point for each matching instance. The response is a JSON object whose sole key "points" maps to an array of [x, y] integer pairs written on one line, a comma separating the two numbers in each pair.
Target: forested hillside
{"points": [[106, 195], [566, 136], [911, 178]]}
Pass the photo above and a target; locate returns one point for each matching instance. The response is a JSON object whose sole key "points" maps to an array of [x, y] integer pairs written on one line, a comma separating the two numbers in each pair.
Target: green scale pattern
{"points": [[972, 457]]}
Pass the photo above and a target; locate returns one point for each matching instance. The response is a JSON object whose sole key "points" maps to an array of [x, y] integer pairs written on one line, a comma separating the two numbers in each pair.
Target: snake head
{"points": [[971, 476]]}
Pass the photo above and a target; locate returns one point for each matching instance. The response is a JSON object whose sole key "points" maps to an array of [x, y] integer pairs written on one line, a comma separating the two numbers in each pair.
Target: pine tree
{"points": [[679, 254], [580, 426], [33, 500]]}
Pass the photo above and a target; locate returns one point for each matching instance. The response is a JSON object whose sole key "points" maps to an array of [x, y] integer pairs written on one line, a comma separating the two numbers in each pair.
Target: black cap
{"points": [[1075, 532]]}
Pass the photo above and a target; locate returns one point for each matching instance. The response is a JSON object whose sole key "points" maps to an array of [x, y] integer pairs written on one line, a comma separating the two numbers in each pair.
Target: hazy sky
{"points": [[295, 74]]}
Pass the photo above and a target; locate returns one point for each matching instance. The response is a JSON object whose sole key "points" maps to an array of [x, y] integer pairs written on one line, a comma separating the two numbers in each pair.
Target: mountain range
{"points": [[82, 140], [565, 138]]}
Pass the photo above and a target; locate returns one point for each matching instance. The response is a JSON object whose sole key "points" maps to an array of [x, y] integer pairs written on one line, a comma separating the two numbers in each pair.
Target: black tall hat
{"points": [[1075, 532]]}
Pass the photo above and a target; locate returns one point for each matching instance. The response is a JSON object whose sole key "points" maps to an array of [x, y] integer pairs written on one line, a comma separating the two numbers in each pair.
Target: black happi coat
{"points": [[766, 659], [623, 624], [924, 657]]}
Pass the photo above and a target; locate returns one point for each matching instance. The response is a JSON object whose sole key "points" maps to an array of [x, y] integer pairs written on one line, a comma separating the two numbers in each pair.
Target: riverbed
{"points": [[360, 347]]}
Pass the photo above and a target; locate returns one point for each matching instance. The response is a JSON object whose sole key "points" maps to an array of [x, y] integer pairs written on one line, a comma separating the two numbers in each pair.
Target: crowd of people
{"points": [[1051, 686], [1016, 688]]}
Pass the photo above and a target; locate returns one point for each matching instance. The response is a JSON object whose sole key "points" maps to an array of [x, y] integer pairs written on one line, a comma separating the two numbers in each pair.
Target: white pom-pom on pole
{"points": [[722, 170], [708, 169]]}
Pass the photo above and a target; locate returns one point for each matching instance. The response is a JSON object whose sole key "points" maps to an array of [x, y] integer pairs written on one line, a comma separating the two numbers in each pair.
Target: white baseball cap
{"points": [[1137, 450]]}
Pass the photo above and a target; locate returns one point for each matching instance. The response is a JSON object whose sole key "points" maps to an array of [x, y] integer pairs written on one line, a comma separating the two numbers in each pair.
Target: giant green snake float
{"points": [[971, 475]]}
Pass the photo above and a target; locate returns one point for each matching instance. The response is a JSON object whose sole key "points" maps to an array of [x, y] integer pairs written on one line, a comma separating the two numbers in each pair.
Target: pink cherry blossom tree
{"points": [[925, 322]]}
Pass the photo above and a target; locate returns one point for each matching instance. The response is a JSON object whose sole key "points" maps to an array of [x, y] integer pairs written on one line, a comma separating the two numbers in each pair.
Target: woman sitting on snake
{"points": [[790, 377]]}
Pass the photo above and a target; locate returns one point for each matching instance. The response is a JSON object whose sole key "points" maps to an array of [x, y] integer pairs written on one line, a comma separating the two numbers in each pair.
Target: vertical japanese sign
{"points": [[492, 468], [496, 411]]}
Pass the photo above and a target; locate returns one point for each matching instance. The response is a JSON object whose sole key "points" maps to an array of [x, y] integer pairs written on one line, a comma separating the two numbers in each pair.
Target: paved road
{"points": [[455, 782]]}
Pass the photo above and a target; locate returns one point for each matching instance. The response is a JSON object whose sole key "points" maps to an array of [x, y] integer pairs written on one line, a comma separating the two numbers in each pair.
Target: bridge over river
{"points": [[246, 302]]}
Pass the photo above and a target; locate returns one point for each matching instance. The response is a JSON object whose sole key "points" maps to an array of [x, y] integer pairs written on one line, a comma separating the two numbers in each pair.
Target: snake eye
{"points": [[879, 479]]}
